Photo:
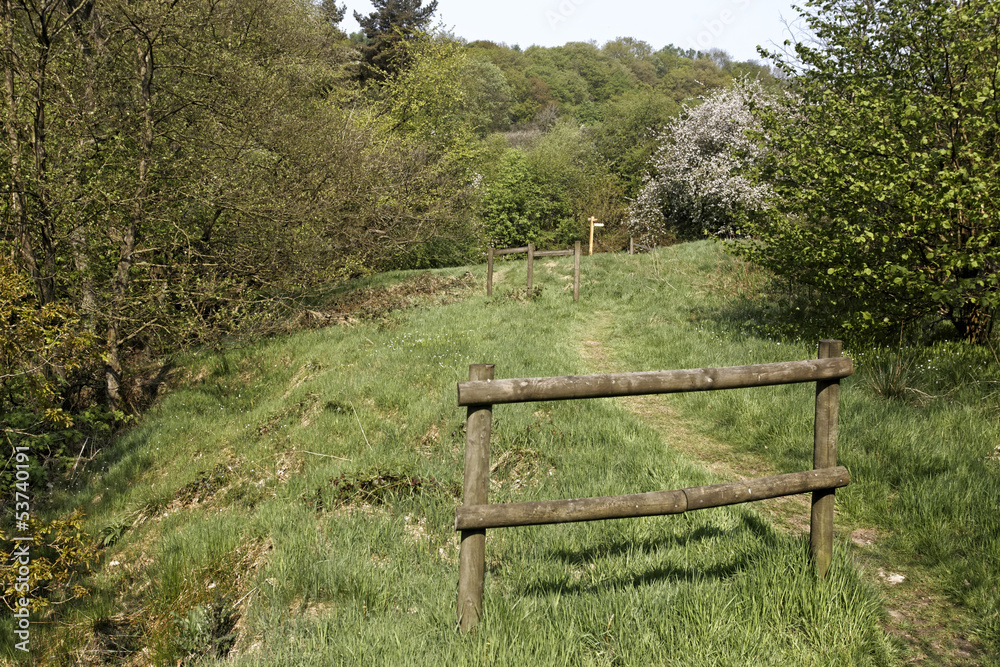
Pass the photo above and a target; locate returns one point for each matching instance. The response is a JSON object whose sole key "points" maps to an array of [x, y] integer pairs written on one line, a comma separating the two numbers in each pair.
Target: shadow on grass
{"points": [[762, 537], [753, 302]]}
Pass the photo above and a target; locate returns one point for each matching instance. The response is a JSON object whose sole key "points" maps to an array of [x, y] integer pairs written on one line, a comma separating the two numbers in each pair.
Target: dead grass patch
{"points": [[373, 303]]}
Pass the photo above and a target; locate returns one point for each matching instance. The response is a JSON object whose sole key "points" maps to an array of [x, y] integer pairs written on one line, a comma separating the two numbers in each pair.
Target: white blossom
{"points": [[699, 178]]}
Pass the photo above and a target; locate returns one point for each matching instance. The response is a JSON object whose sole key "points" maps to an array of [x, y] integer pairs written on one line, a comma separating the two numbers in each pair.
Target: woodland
{"points": [[187, 173]]}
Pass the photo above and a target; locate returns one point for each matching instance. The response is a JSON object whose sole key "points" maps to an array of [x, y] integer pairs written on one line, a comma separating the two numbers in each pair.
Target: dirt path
{"points": [[790, 514], [933, 629]]}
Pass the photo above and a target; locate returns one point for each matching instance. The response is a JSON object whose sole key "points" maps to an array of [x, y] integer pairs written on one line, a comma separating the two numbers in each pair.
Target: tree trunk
{"points": [[127, 248], [974, 323]]}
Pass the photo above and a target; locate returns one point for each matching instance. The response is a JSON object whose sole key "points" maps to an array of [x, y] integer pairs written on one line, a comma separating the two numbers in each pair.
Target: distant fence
{"points": [[633, 246], [532, 254], [482, 392]]}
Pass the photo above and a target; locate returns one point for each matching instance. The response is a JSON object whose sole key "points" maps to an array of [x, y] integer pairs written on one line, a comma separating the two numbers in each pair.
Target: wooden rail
{"points": [[526, 390], [655, 503], [482, 392], [532, 254]]}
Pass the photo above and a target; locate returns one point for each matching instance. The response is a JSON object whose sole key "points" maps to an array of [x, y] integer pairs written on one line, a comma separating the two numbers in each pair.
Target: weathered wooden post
{"points": [[824, 456], [489, 273], [472, 554], [631, 245], [576, 271], [531, 266]]}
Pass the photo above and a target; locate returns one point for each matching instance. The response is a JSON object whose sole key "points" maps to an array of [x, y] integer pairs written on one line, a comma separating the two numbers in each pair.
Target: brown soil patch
{"points": [[425, 289]]}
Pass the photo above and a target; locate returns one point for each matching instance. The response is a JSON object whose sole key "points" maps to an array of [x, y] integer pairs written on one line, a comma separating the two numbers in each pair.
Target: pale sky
{"points": [[736, 26]]}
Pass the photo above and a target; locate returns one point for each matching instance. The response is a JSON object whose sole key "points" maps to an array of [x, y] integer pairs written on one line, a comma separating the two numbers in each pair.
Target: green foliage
{"points": [[889, 178], [488, 97], [44, 349], [544, 194], [426, 100], [627, 134], [514, 208], [60, 551], [570, 167]]}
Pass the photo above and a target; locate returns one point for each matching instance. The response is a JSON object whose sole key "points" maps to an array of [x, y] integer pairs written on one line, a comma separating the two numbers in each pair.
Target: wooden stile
{"points": [[472, 552], [531, 267], [492, 253], [489, 272], [825, 456], [512, 251], [576, 271]]}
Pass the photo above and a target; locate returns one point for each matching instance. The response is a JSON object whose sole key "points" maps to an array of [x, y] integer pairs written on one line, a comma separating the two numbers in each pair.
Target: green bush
{"points": [[42, 349]]}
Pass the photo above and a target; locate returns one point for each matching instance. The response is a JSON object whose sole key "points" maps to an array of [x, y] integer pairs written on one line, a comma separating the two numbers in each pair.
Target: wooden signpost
{"points": [[593, 223]]}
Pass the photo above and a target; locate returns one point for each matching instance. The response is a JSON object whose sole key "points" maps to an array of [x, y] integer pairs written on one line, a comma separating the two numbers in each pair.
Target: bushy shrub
{"points": [[60, 552], [544, 192], [514, 208], [42, 347], [699, 179]]}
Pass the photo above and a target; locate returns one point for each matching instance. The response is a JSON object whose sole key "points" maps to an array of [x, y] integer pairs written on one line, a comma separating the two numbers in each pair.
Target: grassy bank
{"points": [[291, 502]]}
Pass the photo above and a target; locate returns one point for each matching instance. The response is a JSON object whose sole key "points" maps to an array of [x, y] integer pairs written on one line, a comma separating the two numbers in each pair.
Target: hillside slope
{"points": [[291, 502]]}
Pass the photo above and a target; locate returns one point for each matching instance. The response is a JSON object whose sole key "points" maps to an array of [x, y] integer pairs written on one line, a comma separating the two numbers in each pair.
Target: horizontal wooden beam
{"points": [[656, 503], [652, 382], [568, 511], [510, 251], [789, 484], [553, 253]]}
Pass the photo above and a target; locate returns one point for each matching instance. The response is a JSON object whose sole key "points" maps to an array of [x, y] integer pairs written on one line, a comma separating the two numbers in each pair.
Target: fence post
{"points": [[824, 456], [531, 266], [472, 555], [631, 245], [489, 273], [576, 271]]}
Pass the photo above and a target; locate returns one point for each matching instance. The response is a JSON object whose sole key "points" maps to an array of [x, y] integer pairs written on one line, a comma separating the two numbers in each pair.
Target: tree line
{"points": [[176, 173]]}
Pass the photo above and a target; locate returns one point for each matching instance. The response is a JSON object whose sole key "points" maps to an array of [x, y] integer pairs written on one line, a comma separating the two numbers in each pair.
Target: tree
{"points": [[698, 181], [146, 142], [387, 29], [332, 12], [629, 133], [544, 194], [888, 180]]}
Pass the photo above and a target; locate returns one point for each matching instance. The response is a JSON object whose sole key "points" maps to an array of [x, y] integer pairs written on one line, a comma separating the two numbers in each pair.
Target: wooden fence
{"points": [[532, 254], [482, 392], [633, 246]]}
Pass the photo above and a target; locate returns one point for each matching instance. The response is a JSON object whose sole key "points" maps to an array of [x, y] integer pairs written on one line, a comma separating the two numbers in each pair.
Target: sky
{"points": [[735, 26]]}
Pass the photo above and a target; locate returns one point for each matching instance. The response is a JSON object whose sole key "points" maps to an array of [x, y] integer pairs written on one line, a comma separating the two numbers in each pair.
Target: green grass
{"points": [[291, 502]]}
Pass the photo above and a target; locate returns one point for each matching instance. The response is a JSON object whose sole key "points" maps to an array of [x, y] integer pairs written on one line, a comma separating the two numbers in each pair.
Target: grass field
{"points": [[291, 502]]}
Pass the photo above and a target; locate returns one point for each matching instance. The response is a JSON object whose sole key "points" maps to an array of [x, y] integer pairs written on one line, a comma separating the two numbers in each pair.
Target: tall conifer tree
{"points": [[386, 29]]}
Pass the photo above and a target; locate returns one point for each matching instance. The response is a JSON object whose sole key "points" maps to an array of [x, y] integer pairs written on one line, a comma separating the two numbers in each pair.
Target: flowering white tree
{"points": [[699, 179]]}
